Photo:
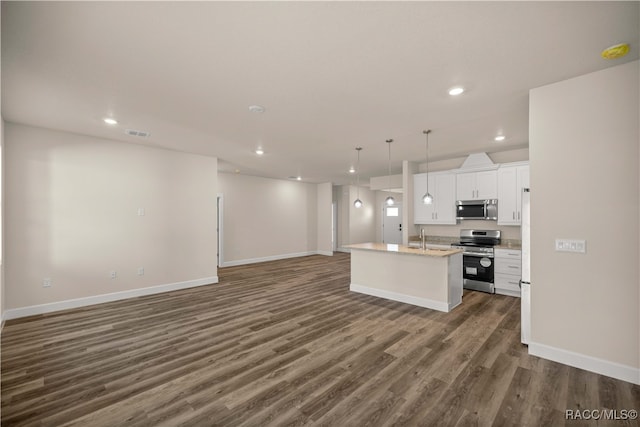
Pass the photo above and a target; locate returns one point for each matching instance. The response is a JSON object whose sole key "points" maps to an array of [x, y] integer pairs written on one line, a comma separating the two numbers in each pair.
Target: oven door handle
{"points": [[478, 254]]}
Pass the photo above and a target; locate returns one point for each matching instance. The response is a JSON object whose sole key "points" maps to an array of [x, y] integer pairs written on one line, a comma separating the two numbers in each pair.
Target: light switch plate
{"points": [[571, 245]]}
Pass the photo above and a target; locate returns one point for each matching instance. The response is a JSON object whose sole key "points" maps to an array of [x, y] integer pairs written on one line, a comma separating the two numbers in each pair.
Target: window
{"points": [[392, 211]]}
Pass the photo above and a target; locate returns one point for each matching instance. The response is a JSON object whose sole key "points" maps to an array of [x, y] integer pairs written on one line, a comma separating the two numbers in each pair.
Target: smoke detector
{"points": [[256, 108], [137, 133]]}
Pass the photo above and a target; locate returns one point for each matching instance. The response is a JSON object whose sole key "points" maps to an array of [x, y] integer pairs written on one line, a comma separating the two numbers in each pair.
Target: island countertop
{"points": [[402, 249]]}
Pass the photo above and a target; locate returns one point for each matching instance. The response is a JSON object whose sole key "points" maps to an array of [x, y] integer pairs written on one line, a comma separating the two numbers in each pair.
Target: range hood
{"points": [[477, 162]]}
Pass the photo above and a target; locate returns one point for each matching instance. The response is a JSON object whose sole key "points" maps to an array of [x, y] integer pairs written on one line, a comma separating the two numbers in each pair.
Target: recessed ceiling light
{"points": [[256, 108], [259, 151], [299, 178], [456, 90], [616, 51], [110, 121], [499, 138], [352, 170]]}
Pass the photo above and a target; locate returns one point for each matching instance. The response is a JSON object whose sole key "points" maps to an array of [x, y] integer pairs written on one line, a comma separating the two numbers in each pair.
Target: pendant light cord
{"points": [[389, 141], [427, 132], [358, 172]]}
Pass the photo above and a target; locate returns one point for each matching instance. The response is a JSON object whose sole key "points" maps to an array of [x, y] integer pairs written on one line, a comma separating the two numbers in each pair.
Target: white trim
{"points": [[220, 227], [327, 253], [394, 296], [345, 250], [15, 313], [588, 363], [268, 258]]}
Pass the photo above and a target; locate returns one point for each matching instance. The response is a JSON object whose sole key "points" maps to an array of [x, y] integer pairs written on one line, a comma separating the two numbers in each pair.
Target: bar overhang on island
{"points": [[430, 278]]}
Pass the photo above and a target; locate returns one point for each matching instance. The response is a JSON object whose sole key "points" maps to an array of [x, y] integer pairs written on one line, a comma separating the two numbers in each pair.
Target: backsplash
{"points": [[507, 231]]}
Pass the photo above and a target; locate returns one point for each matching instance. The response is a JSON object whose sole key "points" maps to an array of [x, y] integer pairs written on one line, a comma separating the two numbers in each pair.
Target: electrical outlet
{"points": [[571, 245], [113, 274], [46, 282], [140, 271]]}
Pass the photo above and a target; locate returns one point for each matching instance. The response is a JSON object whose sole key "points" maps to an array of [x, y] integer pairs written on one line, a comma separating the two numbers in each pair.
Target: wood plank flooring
{"points": [[285, 343]]}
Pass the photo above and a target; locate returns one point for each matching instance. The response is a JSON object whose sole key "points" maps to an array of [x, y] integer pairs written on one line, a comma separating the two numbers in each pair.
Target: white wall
{"points": [[362, 220], [355, 225], [584, 159], [267, 218], [72, 216]]}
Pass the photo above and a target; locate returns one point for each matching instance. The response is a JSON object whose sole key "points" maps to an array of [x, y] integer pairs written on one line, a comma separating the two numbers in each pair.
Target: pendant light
{"points": [[427, 199], [358, 202], [389, 201]]}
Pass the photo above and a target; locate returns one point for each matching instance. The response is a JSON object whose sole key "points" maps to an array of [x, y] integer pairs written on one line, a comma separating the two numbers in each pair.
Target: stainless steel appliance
{"points": [[478, 258], [477, 209], [525, 282]]}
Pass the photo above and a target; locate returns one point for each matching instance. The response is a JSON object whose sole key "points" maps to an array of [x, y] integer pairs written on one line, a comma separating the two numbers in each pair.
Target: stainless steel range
{"points": [[478, 258]]}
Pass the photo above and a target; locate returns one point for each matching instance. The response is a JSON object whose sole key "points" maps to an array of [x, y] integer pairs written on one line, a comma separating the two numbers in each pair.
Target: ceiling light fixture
{"points": [[358, 202], [499, 138], [389, 201], [427, 199], [299, 178], [259, 151], [256, 108], [455, 91], [616, 51], [110, 121], [352, 170]]}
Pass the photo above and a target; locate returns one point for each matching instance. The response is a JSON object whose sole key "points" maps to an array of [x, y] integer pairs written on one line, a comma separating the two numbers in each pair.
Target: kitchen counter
{"points": [[430, 278], [448, 240], [509, 244], [385, 247]]}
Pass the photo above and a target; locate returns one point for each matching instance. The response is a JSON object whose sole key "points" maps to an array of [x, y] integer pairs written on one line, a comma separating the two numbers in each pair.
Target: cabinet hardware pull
{"points": [[513, 215], [513, 266]]}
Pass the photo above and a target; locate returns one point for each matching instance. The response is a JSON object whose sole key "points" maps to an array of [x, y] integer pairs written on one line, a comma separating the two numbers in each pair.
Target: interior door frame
{"points": [[220, 229]]}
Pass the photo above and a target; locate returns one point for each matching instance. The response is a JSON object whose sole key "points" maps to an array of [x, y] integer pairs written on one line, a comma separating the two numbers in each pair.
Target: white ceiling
{"points": [[331, 75]]}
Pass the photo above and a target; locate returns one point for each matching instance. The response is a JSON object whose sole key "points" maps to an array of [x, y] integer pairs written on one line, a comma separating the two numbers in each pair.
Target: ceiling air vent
{"points": [[138, 133]]}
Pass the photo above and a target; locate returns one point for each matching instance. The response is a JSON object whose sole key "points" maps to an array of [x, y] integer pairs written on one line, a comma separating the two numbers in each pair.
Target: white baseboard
{"points": [[15, 313], [327, 253], [588, 363], [267, 258], [420, 302], [345, 250]]}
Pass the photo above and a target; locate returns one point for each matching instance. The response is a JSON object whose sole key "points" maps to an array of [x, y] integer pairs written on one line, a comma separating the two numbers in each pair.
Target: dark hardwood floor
{"points": [[285, 343]]}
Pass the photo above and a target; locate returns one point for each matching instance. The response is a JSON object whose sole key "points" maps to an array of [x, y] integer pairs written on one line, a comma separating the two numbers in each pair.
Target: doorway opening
{"points": [[392, 224]]}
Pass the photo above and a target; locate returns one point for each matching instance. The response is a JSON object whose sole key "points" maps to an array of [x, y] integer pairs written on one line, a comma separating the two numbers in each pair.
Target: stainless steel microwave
{"points": [[477, 209]]}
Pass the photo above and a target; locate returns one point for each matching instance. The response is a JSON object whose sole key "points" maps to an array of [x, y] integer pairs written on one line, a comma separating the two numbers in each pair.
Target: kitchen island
{"points": [[430, 278]]}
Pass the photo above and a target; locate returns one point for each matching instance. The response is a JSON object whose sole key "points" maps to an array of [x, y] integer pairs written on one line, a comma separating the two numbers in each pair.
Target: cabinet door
{"points": [[445, 187], [465, 186], [422, 214], [508, 196], [487, 185]]}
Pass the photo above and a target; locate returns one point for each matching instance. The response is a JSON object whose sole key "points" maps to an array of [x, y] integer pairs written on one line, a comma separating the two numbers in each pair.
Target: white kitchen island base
{"points": [[426, 278]]}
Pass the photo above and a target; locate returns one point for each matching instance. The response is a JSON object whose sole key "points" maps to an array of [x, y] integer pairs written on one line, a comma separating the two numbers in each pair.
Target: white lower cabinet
{"points": [[507, 271]]}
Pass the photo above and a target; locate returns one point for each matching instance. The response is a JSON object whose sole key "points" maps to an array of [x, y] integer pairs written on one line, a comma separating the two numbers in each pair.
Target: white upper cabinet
{"points": [[477, 185], [511, 180], [442, 186]]}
